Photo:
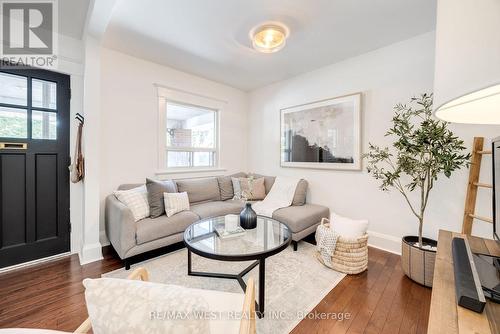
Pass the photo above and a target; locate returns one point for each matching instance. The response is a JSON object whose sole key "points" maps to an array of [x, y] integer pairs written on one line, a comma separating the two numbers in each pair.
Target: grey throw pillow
{"points": [[225, 187], [155, 195]]}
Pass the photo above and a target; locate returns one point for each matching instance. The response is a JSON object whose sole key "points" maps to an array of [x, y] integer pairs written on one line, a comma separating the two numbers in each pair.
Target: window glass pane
{"points": [[13, 123], [43, 125], [44, 94], [13, 89], [178, 159], [203, 159], [190, 126]]}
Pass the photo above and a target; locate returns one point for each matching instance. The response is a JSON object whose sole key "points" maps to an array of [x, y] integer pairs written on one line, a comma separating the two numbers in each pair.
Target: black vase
{"points": [[248, 217]]}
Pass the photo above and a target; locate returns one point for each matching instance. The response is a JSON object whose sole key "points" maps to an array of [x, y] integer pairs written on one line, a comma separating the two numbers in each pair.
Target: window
{"points": [[23, 101], [191, 136]]}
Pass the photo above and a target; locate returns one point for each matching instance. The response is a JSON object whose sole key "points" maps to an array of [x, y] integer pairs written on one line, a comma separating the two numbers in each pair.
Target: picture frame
{"points": [[323, 134]]}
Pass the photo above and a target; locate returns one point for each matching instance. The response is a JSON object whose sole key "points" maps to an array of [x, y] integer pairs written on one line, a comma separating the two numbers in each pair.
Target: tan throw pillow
{"points": [[252, 190], [175, 202]]}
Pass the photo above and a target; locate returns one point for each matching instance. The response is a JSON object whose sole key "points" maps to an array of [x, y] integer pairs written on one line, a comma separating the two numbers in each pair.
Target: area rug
{"points": [[295, 282]]}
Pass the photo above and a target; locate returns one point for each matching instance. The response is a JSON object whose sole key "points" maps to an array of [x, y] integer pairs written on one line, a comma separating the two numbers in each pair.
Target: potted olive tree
{"points": [[423, 149]]}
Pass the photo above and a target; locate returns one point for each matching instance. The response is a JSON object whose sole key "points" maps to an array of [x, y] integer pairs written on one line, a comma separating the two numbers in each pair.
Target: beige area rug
{"points": [[295, 282]]}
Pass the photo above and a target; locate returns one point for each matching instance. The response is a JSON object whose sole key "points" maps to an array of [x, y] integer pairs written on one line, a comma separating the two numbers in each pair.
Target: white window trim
{"points": [[165, 94]]}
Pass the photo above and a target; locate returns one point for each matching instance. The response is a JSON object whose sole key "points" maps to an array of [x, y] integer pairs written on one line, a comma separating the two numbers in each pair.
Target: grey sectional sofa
{"points": [[208, 197]]}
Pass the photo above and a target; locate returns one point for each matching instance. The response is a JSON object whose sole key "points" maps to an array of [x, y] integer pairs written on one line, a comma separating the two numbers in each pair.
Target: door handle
{"points": [[13, 146]]}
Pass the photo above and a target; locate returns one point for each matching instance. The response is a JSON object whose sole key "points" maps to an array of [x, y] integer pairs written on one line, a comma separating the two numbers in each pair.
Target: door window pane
{"points": [[190, 126], [13, 89], [178, 159], [13, 123], [44, 94], [43, 125]]}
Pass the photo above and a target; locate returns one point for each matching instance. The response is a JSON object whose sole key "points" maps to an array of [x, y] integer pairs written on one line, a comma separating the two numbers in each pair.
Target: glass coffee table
{"points": [[267, 239]]}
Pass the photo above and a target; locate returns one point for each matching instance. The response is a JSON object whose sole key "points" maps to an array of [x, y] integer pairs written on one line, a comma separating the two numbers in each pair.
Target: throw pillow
{"points": [[236, 187], [347, 227], [268, 180], [175, 202], [117, 306], [136, 199], [225, 187], [155, 195], [252, 190]]}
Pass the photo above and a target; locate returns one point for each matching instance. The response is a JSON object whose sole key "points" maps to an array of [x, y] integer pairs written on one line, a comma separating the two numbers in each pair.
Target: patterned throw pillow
{"points": [[136, 199], [175, 202], [236, 187], [252, 189]]}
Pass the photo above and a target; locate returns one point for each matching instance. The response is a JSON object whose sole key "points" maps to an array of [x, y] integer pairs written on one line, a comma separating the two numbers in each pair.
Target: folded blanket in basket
{"points": [[326, 240]]}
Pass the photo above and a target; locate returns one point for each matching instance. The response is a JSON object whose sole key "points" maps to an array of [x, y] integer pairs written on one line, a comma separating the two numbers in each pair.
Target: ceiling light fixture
{"points": [[269, 37]]}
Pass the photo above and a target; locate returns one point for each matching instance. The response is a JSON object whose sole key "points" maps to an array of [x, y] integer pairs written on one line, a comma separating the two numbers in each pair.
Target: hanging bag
{"points": [[77, 169]]}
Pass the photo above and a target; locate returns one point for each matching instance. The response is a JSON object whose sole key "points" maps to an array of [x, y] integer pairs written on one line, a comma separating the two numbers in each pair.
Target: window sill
{"points": [[189, 171]]}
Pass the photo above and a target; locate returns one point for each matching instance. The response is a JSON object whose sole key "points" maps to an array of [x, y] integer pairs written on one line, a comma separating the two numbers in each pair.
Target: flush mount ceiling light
{"points": [[269, 37]]}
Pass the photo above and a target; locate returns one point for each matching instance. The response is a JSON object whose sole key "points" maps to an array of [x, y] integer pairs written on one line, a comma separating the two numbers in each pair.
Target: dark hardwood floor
{"points": [[380, 300]]}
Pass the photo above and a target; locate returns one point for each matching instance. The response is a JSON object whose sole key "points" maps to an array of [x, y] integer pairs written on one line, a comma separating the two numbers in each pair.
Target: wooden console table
{"points": [[445, 315]]}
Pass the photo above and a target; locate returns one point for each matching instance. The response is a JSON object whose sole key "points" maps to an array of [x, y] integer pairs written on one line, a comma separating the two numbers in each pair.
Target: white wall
{"points": [[71, 62], [385, 77], [129, 119], [91, 247]]}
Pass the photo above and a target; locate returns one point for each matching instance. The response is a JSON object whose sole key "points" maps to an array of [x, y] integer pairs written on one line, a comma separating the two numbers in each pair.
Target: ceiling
{"points": [[71, 17], [210, 38]]}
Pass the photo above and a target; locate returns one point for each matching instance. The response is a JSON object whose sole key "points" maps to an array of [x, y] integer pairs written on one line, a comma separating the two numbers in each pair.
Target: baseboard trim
{"points": [[35, 262], [385, 242], [90, 253]]}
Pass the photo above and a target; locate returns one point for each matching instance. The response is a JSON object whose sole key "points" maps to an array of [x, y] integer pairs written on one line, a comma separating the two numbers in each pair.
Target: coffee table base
{"points": [[259, 306]]}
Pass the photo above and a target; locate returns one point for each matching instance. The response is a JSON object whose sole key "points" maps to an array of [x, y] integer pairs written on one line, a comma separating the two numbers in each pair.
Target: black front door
{"points": [[34, 159]]}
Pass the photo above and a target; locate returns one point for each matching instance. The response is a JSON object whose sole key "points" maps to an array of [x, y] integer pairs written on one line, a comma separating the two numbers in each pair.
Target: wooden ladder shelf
{"points": [[473, 185]]}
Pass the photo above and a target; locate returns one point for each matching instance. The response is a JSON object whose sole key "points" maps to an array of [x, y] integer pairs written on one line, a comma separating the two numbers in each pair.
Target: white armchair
{"points": [[122, 302], [107, 301]]}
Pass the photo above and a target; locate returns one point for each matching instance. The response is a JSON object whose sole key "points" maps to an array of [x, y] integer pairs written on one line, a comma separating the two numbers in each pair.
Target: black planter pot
{"points": [[418, 263], [248, 217]]}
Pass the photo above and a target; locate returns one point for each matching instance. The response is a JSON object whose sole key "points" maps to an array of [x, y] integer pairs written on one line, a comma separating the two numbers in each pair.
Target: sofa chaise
{"points": [[209, 197]]}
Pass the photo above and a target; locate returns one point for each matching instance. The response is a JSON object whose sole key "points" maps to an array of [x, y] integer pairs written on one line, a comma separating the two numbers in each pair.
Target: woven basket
{"points": [[350, 255]]}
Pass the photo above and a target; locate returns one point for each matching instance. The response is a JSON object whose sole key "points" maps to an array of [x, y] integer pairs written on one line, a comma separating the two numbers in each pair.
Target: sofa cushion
{"points": [[155, 228], [299, 198], [155, 195], [238, 175], [200, 190], [225, 187], [127, 186], [301, 217], [217, 208]]}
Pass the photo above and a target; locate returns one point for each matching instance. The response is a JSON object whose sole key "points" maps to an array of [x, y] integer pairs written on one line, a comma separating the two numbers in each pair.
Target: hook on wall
{"points": [[80, 118]]}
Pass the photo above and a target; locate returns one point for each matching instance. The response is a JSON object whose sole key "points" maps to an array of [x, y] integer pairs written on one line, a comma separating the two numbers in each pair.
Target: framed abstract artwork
{"points": [[324, 134]]}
